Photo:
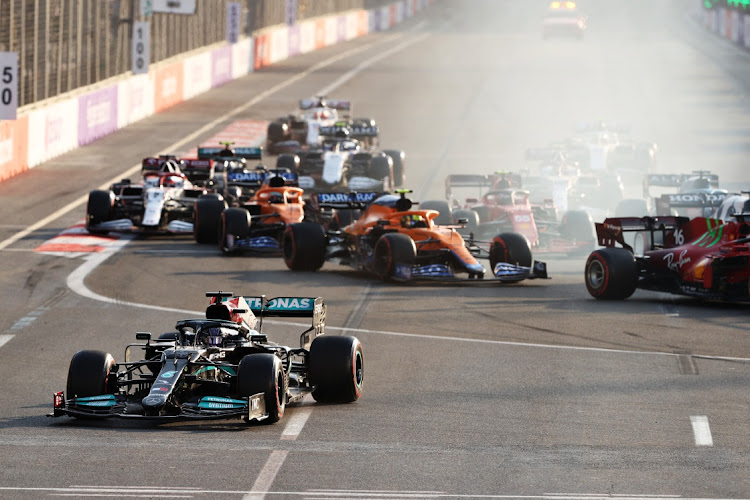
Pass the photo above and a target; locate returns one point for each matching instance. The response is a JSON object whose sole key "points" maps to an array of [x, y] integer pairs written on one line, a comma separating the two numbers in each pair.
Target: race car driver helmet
{"points": [[275, 197], [214, 337], [342, 133], [413, 220]]}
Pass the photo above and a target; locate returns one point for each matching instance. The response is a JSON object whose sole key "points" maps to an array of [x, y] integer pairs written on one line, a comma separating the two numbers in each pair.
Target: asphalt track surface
{"points": [[527, 391]]}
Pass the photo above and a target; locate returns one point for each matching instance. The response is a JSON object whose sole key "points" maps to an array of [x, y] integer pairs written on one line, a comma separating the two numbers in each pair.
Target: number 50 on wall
{"points": [[8, 85]]}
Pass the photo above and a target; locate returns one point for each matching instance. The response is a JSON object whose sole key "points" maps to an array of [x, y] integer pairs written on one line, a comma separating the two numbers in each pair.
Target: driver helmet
{"points": [[275, 197], [342, 133], [215, 337], [413, 220]]}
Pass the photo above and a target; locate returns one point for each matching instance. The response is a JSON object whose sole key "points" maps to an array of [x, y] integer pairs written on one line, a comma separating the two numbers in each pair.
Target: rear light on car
{"points": [[59, 400]]}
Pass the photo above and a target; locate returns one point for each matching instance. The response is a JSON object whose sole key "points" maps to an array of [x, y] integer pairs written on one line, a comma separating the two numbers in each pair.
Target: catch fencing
{"points": [[64, 45]]}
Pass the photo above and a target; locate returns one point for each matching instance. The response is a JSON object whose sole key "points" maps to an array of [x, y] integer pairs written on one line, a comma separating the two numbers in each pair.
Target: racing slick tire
{"points": [[472, 219], [288, 161], [90, 374], [263, 372], [381, 167], [579, 226], [208, 209], [399, 166], [611, 274], [336, 369], [303, 246], [277, 131], [512, 248], [394, 251], [99, 208], [444, 209], [235, 224]]}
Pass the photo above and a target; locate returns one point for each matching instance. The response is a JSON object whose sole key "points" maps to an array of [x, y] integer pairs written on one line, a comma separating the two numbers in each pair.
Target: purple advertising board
{"points": [[221, 66], [97, 114], [295, 40], [341, 29], [374, 20]]}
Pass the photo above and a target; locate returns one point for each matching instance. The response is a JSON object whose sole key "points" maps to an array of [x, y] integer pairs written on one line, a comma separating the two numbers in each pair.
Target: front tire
{"points": [[262, 372], [512, 248], [90, 374], [235, 224], [304, 246], [99, 208], [611, 274], [208, 211], [395, 255], [336, 369]]}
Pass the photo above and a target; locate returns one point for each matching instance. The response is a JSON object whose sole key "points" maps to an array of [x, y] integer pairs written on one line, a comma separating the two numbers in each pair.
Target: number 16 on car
{"points": [[8, 85]]}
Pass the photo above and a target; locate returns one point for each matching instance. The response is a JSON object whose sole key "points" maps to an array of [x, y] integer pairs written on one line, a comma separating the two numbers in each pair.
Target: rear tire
{"points": [[304, 246], [471, 216], [399, 166], [90, 374], [288, 161], [381, 167], [512, 248], [444, 219], [262, 372], [395, 255], [579, 226], [611, 274], [336, 369], [99, 208], [208, 211], [235, 224]]}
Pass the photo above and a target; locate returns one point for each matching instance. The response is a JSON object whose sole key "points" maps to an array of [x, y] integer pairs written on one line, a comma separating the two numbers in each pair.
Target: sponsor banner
{"points": [[168, 86], [306, 36], [739, 29], [294, 41], [320, 33], [384, 19], [56, 130], [331, 27], [392, 15], [135, 99], [13, 147], [279, 44], [262, 51], [196, 77], [242, 57], [728, 24], [398, 17], [221, 66], [746, 30], [97, 114], [76, 242]]}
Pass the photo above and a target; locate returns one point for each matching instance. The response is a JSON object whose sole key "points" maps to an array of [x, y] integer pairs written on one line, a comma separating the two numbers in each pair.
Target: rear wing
{"points": [[709, 181], [479, 181], [611, 231], [292, 307], [215, 153], [305, 104], [352, 200], [666, 202], [258, 177], [354, 131], [197, 171]]}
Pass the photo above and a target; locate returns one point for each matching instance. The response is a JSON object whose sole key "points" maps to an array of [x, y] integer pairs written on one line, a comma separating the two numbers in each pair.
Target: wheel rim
{"points": [[596, 274], [359, 370]]}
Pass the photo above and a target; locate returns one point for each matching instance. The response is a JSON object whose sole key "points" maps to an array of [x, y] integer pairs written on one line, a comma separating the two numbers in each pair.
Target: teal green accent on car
{"points": [[217, 403], [103, 400]]}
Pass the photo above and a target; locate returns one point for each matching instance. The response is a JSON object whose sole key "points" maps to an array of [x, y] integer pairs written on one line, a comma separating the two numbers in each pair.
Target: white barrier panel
{"points": [[242, 58], [55, 130], [399, 12], [351, 25], [279, 44], [746, 32], [306, 37], [331, 36], [735, 27], [135, 99], [196, 75]]}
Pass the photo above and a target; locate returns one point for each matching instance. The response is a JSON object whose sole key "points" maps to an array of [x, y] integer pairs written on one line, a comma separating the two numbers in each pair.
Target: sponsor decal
{"points": [[283, 303], [676, 265], [169, 374]]}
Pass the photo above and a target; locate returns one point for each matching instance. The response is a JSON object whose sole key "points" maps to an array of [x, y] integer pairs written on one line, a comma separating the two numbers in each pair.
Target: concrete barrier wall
{"points": [[50, 130]]}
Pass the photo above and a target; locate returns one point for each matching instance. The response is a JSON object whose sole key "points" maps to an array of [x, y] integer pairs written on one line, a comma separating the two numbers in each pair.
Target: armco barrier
{"points": [[46, 131]]}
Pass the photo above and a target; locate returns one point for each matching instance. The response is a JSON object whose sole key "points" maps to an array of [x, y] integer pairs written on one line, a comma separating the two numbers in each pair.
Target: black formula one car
{"points": [[219, 366]]}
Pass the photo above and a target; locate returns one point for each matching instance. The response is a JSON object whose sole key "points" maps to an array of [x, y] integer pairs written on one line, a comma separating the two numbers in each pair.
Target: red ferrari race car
{"points": [[504, 208], [698, 257]]}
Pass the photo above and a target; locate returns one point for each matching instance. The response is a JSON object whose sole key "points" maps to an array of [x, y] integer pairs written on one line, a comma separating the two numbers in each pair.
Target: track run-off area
{"points": [[531, 391]]}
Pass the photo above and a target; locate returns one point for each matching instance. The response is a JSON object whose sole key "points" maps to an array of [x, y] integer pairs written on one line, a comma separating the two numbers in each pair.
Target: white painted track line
{"points": [[702, 431], [267, 475], [4, 339]]}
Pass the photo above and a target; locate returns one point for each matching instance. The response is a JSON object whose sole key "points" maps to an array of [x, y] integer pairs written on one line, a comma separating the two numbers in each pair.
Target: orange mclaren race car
{"points": [[257, 224], [399, 243]]}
